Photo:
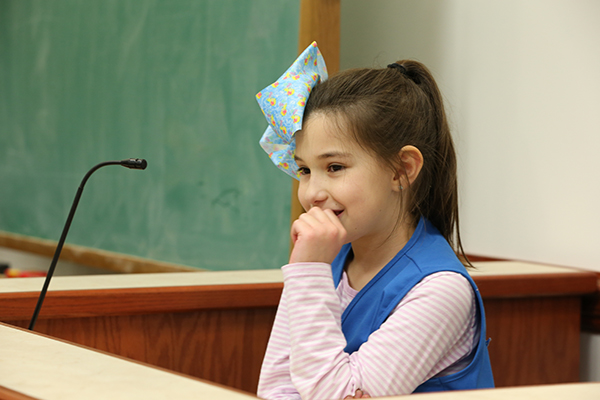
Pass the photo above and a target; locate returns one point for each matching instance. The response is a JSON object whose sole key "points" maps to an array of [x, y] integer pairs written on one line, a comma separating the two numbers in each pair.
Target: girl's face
{"points": [[337, 174]]}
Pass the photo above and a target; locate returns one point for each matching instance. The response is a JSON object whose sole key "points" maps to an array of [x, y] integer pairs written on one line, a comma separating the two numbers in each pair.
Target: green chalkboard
{"points": [[171, 81]]}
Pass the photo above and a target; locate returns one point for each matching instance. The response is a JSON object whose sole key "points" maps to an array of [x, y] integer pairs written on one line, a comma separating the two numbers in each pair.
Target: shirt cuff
{"points": [[300, 270]]}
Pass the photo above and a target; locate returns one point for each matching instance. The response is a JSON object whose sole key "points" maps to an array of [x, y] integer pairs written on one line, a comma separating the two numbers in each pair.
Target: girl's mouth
{"points": [[338, 212]]}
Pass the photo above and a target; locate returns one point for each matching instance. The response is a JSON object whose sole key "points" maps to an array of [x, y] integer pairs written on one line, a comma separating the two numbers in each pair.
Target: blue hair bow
{"points": [[283, 104]]}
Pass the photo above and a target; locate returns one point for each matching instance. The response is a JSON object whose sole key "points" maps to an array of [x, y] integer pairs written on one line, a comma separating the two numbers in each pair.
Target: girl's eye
{"points": [[303, 171], [335, 168]]}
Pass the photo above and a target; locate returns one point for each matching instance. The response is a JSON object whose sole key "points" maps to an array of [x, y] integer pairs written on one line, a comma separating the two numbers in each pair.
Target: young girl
{"points": [[375, 300]]}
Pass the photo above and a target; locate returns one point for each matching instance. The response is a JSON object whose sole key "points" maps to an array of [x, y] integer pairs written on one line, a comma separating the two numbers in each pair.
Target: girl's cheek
{"points": [[301, 198]]}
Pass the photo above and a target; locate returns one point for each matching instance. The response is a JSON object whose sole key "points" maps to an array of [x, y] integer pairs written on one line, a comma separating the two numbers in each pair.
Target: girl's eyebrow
{"points": [[336, 154]]}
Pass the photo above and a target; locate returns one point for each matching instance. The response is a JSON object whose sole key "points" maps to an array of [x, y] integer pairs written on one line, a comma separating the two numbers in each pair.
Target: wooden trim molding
{"points": [[475, 258], [539, 285], [88, 256], [320, 22], [130, 301]]}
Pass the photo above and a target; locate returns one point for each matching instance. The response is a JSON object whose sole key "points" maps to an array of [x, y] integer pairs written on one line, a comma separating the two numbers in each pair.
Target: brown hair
{"points": [[387, 109]]}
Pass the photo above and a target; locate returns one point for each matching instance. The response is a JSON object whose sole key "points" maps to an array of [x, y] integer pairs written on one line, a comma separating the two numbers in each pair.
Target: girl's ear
{"points": [[411, 162]]}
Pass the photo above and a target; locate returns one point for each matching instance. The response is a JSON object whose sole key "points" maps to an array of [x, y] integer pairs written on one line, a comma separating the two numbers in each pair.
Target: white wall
{"points": [[522, 83], [521, 80]]}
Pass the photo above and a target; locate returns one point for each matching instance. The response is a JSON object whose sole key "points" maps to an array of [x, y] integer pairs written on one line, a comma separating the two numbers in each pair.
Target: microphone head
{"points": [[135, 163]]}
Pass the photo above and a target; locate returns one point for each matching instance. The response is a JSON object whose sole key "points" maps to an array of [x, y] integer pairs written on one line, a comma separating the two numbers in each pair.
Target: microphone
{"points": [[132, 163]]}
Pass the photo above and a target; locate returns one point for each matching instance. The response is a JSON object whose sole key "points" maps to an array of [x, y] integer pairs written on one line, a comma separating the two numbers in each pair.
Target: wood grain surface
{"points": [[535, 340]]}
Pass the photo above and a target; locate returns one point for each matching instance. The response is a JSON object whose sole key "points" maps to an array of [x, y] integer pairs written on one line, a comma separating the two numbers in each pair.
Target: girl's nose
{"points": [[316, 193]]}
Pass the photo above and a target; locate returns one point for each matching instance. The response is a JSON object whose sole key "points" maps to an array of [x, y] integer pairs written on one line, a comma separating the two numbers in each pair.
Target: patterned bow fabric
{"points": [[283, 104]]}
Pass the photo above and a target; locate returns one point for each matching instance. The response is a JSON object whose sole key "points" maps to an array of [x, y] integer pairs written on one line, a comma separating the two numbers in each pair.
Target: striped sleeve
{"points": [[431, 329], [275, 382]]}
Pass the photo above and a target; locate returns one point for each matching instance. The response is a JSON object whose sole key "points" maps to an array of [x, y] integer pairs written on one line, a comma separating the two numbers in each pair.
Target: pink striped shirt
{"points": [[430, 333]]}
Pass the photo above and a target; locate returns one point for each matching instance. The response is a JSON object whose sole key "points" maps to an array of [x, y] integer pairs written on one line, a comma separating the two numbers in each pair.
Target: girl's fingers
{"points": [[317, 235], [322, 222], [358, 395], [324, 217], [305, 224], [334, 219]]}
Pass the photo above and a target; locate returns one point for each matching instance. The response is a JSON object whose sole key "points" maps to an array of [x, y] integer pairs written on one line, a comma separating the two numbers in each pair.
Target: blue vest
{"points": [[427, 252]]}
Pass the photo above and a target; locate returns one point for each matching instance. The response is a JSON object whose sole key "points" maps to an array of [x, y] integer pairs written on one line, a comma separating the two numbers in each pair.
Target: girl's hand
{"points": [[358, 395], [318, 236]]}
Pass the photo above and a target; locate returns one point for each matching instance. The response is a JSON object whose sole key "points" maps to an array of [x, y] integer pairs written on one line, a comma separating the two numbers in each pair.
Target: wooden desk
{"points": [[211, 325], [215, 325], [39, 367]]}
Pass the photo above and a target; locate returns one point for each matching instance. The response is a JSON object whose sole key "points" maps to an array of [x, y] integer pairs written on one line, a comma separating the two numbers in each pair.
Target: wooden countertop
{"points": [[47, 368], [184, 291], [484, 270]]}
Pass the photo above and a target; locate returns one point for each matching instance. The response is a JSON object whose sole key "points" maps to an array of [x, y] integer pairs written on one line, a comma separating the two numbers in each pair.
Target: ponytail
{"points": [[436, 199]]}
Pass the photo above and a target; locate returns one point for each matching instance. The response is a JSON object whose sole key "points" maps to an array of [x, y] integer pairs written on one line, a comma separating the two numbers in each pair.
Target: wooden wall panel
{"points": [[534, 340]]}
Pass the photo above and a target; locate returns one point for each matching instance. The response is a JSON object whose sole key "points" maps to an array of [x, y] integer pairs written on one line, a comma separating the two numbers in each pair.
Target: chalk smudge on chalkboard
{"points": [[228, 198]]}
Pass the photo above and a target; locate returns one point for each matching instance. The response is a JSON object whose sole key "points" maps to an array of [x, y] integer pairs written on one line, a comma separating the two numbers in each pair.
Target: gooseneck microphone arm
{"points": [[132, 163]]}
